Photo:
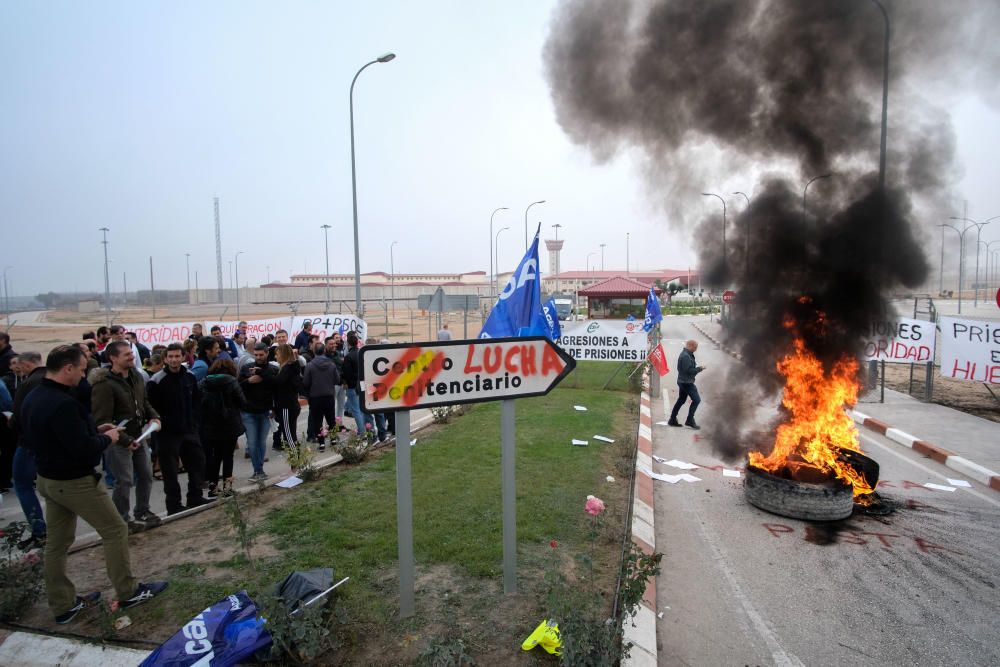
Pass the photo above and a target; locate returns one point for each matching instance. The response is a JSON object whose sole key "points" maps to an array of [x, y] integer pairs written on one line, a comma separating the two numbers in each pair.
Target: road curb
{"points": [[728, 350], [640, 629], [26, 649], [980, 473]]}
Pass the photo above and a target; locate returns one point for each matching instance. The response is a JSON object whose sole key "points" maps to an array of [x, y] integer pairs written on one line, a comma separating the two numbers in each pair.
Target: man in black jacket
{"points": [[174, 393], [257, 383], [68, 446], [24, 470], [321, 381], [687, 369], [7, 353]]}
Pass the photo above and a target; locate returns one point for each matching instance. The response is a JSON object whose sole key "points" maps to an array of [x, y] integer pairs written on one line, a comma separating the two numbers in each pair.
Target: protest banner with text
{"points": [[604, 340], [900, 341]]}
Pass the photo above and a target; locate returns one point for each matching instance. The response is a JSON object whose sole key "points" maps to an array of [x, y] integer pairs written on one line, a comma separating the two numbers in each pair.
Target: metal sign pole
{"points": [[507, 461], [404, 513]]}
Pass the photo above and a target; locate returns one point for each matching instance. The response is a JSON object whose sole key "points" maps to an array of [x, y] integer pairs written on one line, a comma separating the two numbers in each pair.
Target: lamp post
{"points": [[602, 255], [712, 194], [746, 249], [885, 95], [187, 267], [496, 259], [326, 252], [354, 188], [392, 278], [961, 258], [540, 201], [988, 255], [806, 189], [979, 230], [589, 268], [492, 272], [107, 279], [628, 268], [236, 260]]}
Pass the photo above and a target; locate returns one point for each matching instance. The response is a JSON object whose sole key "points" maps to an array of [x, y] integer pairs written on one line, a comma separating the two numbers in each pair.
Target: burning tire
{"points": [[827, 501]]}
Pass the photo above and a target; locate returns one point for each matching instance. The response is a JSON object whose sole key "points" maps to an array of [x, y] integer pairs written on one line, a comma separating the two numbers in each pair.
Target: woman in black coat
{"points": [[222, 401], [287, 385]]}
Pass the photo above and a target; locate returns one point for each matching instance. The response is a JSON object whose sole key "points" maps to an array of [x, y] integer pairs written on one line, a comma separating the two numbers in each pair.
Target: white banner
{"points": [[327, 325], [900, 341], [176, 332], [604, 340], [970, 350]]}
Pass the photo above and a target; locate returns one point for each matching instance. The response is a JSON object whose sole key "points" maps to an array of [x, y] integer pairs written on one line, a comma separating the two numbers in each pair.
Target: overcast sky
{"points": [[134, 115]]}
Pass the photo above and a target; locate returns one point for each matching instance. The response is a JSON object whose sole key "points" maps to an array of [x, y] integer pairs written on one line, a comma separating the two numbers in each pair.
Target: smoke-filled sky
{"points": [[134, 115]]}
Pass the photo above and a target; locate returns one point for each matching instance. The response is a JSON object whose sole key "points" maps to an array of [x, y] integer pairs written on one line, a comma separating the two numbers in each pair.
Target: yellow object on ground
{"points": [[546, 635]]}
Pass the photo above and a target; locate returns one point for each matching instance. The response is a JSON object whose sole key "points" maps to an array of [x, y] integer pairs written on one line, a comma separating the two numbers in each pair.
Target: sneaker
{"points": [[32, 542], [322, 447], [135, 527], [674, 422], [149, 519], [82, 602], [259, 477], [692, 425], [213, 491], [266, 459], [143, 593]]}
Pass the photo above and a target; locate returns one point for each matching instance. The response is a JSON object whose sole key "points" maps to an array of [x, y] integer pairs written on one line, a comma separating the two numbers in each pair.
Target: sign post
{"points": [[407, 376]]}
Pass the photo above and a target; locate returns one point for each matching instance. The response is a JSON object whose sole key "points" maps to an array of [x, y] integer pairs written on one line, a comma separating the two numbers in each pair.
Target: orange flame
{"points": [[806, 444]]}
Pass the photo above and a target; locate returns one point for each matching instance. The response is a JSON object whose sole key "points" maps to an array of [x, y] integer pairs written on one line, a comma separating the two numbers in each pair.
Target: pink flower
{"points": [[553, 544], [368, 427], [114, 606], [323, 432], [594, 506]]}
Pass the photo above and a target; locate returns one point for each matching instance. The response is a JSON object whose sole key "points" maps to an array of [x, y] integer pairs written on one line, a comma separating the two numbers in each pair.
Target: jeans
{"points": [[65, 500], [321, 407], [341, 403], [686, 389], [131, 466], [353, 408], [24, 472], [258, 425]]}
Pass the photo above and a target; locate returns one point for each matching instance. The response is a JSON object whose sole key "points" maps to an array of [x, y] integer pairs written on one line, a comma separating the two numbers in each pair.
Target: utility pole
{"points": [[326, 252], [602, 256], [124, 290], [187, 267], [218, 249], [152, 287], [107, 278]]}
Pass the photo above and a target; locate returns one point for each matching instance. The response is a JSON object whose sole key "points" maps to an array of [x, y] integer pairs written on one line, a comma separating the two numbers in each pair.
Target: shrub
{"points": [[355, 449], [21, 582]]}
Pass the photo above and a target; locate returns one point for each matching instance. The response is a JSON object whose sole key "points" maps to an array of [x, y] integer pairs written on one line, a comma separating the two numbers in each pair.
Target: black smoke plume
{"points": [[778, 91]]}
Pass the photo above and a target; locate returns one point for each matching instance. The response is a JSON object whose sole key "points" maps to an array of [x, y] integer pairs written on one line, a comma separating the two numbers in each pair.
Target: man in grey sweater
{"points": [[687, 369]]}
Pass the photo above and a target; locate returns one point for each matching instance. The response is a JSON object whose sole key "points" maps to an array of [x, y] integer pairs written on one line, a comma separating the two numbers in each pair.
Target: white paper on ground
{"points": [[730, 473], [658, 459], [413, 442], [662, 424], [959, 482], [683, 465], [292, 481], [580, 442], [939, 487], [672, 479], [579, 408], [689, 478], [603, 439]]}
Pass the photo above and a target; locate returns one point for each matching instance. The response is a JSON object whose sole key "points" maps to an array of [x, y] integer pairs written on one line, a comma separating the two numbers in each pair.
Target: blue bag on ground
{"points": [[223, 635]]}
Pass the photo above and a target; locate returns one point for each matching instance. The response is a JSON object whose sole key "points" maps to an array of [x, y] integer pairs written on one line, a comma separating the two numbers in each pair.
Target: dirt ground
{"points": [[971, 397]]}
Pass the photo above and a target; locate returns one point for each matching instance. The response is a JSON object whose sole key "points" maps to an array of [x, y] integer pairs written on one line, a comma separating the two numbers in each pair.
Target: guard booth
{"points": [[617, 298]]}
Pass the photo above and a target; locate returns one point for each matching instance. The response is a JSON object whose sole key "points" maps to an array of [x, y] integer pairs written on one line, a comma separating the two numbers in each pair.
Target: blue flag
{"points": [[518, 310], [552, 328], [653, 314]]}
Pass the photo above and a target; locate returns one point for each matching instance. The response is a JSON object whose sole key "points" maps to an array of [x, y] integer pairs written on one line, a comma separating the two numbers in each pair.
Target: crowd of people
{"points": [[109, 413]]}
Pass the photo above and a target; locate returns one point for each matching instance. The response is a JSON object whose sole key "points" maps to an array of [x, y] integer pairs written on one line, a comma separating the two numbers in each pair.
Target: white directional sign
{"points": [[409, 376]]}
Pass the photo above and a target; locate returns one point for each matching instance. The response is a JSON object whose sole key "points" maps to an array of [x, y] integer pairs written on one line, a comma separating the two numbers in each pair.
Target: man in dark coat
{"points": [[687, 369]]}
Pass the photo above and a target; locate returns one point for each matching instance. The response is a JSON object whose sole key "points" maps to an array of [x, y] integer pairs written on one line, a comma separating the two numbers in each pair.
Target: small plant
{"points": [[355, 449], [441, 414], [302, 636], [239, 508], [631, 405], [21, 582], [302, 460], [107, 619], [445, 652]]}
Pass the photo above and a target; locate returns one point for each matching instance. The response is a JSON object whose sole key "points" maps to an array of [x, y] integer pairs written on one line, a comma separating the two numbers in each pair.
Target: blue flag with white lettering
{"points": [[653, 314], [518, 310], [552, 328]]}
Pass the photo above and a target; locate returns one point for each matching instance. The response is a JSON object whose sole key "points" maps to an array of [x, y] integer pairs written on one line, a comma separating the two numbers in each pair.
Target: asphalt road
{"points": [[740, 586]]}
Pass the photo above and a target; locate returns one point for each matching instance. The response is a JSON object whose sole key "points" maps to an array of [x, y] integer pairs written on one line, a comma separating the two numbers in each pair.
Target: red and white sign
{"points": [[410, 376], [970, 350], [728, 296], [175, 332], [658, 358]]}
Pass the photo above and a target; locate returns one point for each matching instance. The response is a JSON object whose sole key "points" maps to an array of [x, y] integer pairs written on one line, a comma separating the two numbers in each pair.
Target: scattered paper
{"points": [[603, 439], [959, 482], [289, 483], [579, 408], [726, 472], [672, 479], [582, 443], [939, 487], [689, 478], [660, 615], [658, 459], [122, 622], [662, 424], [683, 465], [609, 478], [413, 442]]}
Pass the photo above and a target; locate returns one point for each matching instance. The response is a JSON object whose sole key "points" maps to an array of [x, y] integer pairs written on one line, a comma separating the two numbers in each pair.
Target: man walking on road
{"points": [[687, 369], [174, 393], [68, 446], [119, 395]]}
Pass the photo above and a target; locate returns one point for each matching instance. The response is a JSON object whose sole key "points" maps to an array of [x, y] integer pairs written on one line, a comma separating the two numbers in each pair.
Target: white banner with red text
{"points": [[163, 333], [970, 350], [900, 341]]}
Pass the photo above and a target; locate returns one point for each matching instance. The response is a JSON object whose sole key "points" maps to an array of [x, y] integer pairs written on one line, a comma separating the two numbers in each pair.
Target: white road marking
{"points": [[892, 450]]}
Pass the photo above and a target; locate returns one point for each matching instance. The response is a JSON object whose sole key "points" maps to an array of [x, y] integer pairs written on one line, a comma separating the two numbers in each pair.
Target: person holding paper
{"points": [[119, 393], [687, 369]]}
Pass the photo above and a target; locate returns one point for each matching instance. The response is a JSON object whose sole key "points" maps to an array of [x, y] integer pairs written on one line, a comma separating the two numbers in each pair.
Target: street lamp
{"points": [[492, 273], [602, 256], [806, 189], [6, 296], [589, 268], [961, 258], [496, 259], [354, 188], [187, 267], [988, 255], [540, 201], [107, 279], [746, 249], [236, 259], [712, 194], [392, 278], [326, 249], [979, 230]]}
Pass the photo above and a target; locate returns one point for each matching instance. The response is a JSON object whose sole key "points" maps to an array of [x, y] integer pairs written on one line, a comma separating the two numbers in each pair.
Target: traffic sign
{"points": [[408, 376], [998, 298], [728, 296]]}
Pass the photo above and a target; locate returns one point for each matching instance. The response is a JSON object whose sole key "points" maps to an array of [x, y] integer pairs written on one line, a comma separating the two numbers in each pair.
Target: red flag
{"points": [[659, 360]]}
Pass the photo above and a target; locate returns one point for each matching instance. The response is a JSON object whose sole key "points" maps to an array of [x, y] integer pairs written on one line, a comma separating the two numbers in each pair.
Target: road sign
{"points": [[728, 296], [408, 376], [998, 298]]}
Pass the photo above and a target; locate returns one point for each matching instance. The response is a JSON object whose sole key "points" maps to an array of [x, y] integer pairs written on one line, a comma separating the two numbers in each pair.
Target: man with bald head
{"points": [[687, 369]]}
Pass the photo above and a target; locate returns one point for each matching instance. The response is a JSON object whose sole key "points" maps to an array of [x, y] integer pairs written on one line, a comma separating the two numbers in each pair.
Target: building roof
{"points": [[647, 277], [618, 287]]}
